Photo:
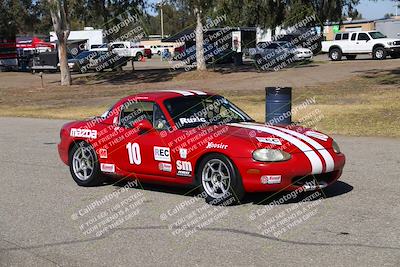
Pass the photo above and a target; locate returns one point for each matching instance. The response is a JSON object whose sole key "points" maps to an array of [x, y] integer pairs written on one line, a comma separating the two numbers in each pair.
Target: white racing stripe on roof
{"points": [[198, 92], [181, 92], [330, 165], [316, 163]]}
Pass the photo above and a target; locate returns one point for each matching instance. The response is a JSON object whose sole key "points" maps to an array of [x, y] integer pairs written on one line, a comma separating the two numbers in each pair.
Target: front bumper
{"points": [[395, 49], [294, 173], [300, 57]]}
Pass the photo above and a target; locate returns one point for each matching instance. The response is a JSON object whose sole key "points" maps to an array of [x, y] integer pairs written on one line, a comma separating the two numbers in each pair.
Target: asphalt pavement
{"points": [[47, 220]]}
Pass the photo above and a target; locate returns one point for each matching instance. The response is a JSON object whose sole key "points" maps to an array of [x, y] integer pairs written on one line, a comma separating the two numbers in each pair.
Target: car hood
{"points": [[388, 40], [292, 139], [301, 49]]}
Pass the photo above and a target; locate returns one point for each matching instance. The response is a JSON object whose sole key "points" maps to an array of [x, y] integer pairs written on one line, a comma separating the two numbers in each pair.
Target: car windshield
{"points": [[377, 35], [198, 110]]}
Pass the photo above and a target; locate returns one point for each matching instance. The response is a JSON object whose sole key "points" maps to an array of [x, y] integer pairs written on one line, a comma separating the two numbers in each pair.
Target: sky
{"points": [[376, 9], [368, 8]]}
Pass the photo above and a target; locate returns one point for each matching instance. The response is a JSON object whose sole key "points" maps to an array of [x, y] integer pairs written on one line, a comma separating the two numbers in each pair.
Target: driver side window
{"points": [[363, 37], [134, 112], [137, 111]]}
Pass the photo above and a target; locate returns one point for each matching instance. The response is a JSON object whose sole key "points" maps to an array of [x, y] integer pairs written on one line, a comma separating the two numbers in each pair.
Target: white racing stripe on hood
{"points": [[330, 165], [316, 163], [198, 92], [181, 92]]}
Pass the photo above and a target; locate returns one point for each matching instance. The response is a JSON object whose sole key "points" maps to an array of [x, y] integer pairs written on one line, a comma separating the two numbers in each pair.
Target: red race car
{"points": [[200, 139]]}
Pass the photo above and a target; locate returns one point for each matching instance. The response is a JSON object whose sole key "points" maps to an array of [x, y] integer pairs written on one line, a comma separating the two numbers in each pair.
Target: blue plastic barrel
{"points": [[278, 105]]}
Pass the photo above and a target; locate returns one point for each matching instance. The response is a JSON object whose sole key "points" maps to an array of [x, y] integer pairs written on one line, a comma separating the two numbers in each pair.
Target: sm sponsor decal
{"points": [[184, 168]]}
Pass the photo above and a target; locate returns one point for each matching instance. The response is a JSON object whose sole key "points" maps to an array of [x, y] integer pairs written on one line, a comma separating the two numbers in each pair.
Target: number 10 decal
{"points": [[134, 153]]}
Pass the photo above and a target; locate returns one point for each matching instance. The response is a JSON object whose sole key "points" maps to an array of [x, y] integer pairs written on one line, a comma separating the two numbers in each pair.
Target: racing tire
{"points": [[220, 181], [335, 54], [351, 57], [379, 53], [84, 165]]}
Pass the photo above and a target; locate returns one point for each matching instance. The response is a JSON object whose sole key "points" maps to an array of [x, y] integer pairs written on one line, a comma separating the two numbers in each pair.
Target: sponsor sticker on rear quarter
{"points": [[106, 167]]}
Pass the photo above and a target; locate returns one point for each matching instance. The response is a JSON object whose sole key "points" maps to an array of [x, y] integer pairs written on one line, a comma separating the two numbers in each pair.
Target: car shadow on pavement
{"points": [[265, 198], [336, 189]]}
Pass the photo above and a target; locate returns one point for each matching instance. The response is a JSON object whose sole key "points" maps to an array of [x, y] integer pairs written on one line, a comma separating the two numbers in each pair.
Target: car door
{"points": [[351, 46], [143, 152], [363, 43]]}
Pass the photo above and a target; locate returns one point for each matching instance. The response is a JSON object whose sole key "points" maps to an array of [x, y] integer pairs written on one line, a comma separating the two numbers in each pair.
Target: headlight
{"points": [[390, 43], [335, 147], [265, 154]]}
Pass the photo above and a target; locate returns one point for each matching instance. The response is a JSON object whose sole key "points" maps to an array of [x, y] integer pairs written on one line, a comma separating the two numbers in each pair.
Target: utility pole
{"points": [[160, 4], [162, 21]]}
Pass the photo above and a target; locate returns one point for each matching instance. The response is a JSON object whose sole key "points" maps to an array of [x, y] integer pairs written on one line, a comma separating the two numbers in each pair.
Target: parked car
{"points": [[148, 53], [312, 40], [97, 61], [158, 49], [128, 49], [271, 54], [102, 47], [351, 44], [212, 54], [153, 137]]}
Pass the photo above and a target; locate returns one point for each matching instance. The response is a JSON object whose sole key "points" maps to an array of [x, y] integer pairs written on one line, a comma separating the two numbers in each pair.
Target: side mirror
{"points": [[143, 126]]}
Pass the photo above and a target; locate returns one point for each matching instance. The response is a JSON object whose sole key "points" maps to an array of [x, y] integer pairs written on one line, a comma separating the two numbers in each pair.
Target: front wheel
{"points": [[379, 53], [335, 54], [84, 166], [220, 180]]}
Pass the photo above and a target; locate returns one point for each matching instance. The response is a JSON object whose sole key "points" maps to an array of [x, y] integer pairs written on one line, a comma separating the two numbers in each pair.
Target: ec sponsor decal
{"points": [[183, 153], [166, 167], [184, 168], [319, 136], [106, 167], [271, 179], [214, 145], [103, 153], [162, 154], [269, 140], [85, 133]]}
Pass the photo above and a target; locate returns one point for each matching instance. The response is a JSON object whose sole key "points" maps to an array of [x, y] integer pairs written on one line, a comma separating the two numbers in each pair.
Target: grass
{"points": [[367, 105]]}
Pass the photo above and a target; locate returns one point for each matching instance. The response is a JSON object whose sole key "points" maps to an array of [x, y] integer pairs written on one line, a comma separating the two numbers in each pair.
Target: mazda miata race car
{"points": [[200, 139]]}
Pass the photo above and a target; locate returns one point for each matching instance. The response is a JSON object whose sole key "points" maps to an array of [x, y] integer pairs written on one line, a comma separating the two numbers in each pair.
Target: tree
{"points": [[199, 9], [59, 17]]}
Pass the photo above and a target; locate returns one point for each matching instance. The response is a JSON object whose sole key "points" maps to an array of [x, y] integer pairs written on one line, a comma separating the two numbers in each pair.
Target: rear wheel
{"points": [[379, 53], [139, 56], [335, 54], [220, 180], [84, 166]]}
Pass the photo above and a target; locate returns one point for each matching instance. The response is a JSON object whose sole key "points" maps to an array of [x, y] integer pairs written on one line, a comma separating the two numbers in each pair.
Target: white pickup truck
{"points": [[351, 44], [123, 49]]}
